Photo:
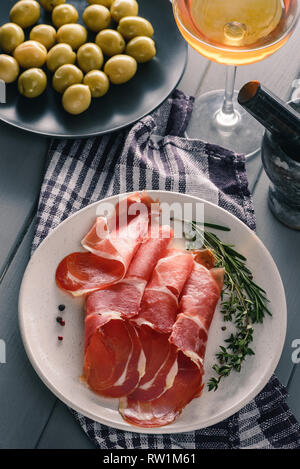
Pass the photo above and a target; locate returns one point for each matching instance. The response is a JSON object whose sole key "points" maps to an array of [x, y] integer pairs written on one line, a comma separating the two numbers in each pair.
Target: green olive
{"points": [[11, 35], [132, 26], [65, 76], [30, 54], [120, 68], [59, 55], [73, 34], [32, 83], [44, 34], [121, 8], [64, 14], [48, 5], [9, 68], [89, 57], [96, 17], [76, 99], [97, 82], [142, 48], [25, 13], [111, 42], [106, 3]]}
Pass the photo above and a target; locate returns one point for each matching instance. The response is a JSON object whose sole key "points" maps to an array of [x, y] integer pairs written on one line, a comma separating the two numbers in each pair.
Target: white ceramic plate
{"points": [[59, 365]]}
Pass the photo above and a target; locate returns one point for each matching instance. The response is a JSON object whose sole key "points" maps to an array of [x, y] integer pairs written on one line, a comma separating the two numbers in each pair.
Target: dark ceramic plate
{"points": [[124, 104]]}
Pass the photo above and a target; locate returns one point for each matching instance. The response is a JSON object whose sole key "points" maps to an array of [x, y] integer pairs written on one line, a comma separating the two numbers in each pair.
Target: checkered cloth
{"points": [[153, 154]]}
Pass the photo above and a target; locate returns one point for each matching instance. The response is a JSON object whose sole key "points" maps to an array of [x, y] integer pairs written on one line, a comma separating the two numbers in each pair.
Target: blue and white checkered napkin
{"points": [[153, 154]]}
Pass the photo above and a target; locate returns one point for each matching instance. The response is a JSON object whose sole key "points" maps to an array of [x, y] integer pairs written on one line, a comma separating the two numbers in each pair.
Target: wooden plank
{"points": [[196, 69], [63, 431], [283, 245], [25, 403], [253, 166], [21, 165]]}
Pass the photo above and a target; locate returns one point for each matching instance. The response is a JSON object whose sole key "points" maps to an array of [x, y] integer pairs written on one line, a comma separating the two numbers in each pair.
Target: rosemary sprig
{"points": [[243, 302], [216, 227]]}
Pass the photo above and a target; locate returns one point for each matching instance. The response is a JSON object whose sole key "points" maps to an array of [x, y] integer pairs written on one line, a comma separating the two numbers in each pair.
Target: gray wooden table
{"points": [[30, 416]]}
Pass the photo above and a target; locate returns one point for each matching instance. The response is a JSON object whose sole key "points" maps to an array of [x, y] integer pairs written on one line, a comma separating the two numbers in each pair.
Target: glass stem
{"points": [[228, 116]]}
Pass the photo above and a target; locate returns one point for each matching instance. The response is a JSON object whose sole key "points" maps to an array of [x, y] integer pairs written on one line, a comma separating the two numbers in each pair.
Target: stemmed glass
{"points": [[232, 32]]}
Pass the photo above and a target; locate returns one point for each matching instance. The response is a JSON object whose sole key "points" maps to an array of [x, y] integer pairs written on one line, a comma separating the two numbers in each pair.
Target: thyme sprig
{"points": [[243, 301]]}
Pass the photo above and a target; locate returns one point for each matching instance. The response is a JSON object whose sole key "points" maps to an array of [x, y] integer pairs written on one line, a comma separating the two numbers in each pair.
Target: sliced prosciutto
{"points": [[116, 237], [125, 296], [161, 365], [188, 338], [114, 359], [112, 243], [164, 410], [197, 306], [205, 257], [157, 315], [160, 302], [105, 310]]}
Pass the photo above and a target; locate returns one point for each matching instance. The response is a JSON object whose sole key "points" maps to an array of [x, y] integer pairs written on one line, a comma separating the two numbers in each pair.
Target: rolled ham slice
{"points": [[161, 365], [197, 306], [111, 244], [117, 236], [159, 306], [125, 296], [189, 338], [157, 315], [114, 359], [164, 410], [105, 313]]}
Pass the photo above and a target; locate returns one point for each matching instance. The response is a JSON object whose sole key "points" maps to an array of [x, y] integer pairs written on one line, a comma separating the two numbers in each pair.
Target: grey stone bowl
{"points": [[284, 174]]}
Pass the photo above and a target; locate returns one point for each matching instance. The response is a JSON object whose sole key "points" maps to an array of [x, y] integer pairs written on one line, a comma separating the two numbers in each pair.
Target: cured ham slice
{"points": [[125, 296], [189, 337], [114, 359], [205, 257], [112, 236], [164, 410], [160, 302], [82, 272], [149, 253], [161, 365], [111, 244], [197, 306], [158, 312], [123, 360], [157, 315]]}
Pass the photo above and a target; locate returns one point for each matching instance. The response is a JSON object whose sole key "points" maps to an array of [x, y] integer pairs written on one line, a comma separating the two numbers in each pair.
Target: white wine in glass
{"points": [[232, 32]]}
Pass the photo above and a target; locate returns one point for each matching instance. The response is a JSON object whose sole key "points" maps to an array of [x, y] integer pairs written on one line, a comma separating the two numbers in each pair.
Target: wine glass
{"points": [[232, 32]]}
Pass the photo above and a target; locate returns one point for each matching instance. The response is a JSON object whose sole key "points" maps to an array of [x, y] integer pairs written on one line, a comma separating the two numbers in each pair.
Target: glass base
{"points": [[238, 132]]}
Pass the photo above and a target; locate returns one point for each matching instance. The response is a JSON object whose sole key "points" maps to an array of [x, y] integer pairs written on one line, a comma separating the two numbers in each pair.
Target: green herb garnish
{"points": [[243, 302]]}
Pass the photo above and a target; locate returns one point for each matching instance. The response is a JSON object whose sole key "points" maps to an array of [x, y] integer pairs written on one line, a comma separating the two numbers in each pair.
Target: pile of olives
{"points": [[122, 40]]}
